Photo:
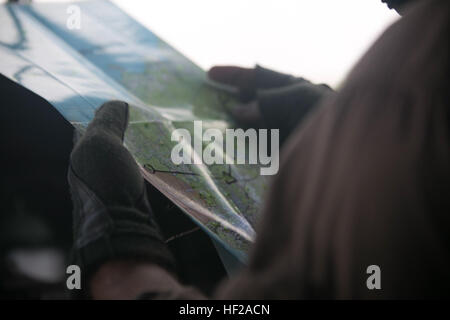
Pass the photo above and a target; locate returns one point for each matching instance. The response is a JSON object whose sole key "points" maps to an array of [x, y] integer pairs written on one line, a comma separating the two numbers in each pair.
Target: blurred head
{"points": [[398, 5]]}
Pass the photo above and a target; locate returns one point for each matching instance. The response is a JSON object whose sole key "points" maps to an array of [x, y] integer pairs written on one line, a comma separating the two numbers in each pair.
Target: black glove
{"points": [[271, 100], [249, 80], [112, 215], [284, 108]]}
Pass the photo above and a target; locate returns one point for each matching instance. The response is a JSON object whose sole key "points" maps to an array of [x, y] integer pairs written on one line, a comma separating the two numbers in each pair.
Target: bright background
{"points": [[317, 39]]}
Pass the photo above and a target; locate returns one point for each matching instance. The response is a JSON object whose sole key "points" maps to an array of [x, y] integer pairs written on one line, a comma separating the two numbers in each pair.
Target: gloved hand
{"points": [[250, 80], [112, 216], [270, 99]]}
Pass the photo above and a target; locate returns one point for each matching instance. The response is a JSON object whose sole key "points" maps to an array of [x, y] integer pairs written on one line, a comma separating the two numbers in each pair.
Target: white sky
{"points": [[317, 39]]}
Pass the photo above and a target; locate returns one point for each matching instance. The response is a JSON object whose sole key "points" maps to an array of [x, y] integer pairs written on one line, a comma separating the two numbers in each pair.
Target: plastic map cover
{"points": [[113, 57]]}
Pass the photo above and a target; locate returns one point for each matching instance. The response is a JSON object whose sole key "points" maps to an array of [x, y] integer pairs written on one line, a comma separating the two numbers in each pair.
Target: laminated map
{"points": [[111, 56]]}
